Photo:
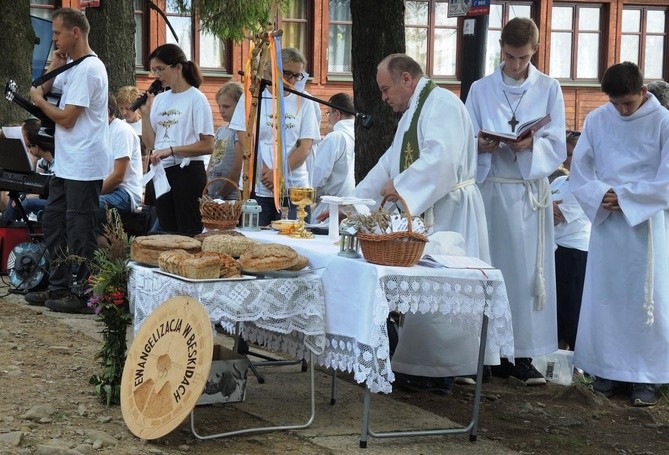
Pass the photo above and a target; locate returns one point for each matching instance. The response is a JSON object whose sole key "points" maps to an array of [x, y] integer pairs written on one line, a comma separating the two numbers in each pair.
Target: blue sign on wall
{"points": [[42, 28]]}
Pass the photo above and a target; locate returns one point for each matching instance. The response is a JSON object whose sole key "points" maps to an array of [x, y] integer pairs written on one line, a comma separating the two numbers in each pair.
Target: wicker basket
{"points": [[220, 216], [402, 249]]}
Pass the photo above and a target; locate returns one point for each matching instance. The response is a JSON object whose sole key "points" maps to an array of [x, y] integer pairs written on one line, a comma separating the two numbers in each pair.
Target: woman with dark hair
{"points": [[178, 126]]}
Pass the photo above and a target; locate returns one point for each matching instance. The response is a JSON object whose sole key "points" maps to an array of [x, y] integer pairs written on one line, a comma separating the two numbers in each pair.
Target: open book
{"points": [[522, 132], [453, 262]]}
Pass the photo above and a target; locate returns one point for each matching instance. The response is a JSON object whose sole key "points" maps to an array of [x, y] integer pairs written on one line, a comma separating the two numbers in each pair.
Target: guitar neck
{"points": [[33, 110]]}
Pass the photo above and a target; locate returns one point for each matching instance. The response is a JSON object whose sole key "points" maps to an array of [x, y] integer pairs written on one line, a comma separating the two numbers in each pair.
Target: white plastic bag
{"points": [[557, 367]]}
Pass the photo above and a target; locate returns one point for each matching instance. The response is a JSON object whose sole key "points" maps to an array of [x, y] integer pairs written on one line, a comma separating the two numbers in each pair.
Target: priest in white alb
{"points": [[431, 164]]}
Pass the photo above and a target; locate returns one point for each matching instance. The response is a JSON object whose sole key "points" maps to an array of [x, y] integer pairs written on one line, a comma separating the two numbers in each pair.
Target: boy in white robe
{"points": [[513, 180], [620, 176], [440, 177]]}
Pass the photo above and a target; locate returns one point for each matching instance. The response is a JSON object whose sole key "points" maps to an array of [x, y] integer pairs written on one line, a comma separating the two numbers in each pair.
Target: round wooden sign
{"points": [[167, 367]]}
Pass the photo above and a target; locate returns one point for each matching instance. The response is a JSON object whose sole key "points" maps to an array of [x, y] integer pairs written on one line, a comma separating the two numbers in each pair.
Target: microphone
{"points": [[155, 87]]}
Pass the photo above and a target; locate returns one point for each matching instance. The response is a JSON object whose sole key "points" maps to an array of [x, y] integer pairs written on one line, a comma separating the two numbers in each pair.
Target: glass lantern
{"points": [[348, 242], [251, 215]]}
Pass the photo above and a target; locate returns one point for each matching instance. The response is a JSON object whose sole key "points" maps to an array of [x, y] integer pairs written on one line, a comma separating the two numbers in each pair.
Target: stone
{"points": [[13, 438], [38, 412], [106, 438]]}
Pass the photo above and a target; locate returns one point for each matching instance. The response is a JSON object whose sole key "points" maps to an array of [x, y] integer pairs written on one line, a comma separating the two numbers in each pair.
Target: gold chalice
{"points": [[302, 196]]}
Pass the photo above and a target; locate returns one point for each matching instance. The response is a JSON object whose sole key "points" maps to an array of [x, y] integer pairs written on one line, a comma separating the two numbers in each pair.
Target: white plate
{"points": [[205, 280], [282, 273]]}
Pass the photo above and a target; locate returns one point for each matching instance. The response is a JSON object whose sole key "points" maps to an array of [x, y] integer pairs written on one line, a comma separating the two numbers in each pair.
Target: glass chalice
{"points": [[302, 196]]}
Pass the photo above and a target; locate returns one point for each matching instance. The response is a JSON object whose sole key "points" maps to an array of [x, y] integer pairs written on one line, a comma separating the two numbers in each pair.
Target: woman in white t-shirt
{"points": [[179, 128]]}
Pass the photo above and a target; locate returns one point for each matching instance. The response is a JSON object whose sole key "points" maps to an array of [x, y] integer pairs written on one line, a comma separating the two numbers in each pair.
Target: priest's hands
{"points": [[487, 144], [524, 144], [389, 191], [610, 201]]}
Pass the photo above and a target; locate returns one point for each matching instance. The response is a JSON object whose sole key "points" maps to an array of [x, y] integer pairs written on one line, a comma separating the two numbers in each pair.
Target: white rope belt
{"points": [[428, 215], [539, 204]]}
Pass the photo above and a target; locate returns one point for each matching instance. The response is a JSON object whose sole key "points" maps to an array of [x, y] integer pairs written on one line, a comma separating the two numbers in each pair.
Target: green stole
{"points": [[410, 149]]}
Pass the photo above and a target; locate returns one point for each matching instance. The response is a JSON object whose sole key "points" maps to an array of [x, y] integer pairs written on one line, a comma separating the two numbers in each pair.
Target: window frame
{"points": [[642, 34], [308, 22], [575, 32]]}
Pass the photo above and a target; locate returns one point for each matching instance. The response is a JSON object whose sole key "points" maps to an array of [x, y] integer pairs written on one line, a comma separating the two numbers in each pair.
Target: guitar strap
{"points": [[51, 74]]}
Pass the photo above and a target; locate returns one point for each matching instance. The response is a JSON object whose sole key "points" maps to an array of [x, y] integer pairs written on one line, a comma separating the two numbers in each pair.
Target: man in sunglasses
{"points": [[620, 176]]}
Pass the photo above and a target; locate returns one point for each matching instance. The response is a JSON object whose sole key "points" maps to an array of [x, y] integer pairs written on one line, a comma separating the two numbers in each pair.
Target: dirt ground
{"points": [[45, 362]]}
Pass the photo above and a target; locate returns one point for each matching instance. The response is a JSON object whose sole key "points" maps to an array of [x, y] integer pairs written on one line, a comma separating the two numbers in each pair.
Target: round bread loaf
{"points": [[302, 262], [229, 244], [211, 232], [147, 249], [268, 257]]}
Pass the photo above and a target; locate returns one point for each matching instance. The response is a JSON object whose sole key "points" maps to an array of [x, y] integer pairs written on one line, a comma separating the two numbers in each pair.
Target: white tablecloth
{"points": [[359, 296], [283, 314]]}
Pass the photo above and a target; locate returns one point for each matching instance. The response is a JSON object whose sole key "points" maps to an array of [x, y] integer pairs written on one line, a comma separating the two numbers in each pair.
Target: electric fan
{"points": [[27, 266]]}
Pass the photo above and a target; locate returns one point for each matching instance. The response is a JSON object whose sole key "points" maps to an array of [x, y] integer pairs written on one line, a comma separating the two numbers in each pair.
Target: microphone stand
{"points": [[366, 119]]}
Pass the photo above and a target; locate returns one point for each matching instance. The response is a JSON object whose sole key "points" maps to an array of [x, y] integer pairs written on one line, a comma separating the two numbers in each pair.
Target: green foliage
{"points": [[109, 298], [230, 19]]}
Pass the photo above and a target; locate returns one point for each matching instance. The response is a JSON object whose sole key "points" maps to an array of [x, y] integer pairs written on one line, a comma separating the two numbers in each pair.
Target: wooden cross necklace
{"points": [[513, 122]]}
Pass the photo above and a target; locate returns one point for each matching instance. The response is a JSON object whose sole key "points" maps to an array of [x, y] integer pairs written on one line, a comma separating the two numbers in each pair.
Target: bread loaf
{"points": [[211, 232], [147, 249], [170, 261], [228, 244], [229, 266], [268, 257], [302, 262], [201, 266]]}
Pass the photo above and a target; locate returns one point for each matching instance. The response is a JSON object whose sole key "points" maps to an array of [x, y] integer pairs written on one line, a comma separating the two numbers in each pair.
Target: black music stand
{"points": [[14, 159]]}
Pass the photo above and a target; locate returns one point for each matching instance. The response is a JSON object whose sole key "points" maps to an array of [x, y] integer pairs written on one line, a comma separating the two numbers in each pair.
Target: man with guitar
{"points": [[83, 160]]}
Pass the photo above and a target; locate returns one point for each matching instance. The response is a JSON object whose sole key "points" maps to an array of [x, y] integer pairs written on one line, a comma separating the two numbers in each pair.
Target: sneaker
{"points": [[608, 387], [69, 304], [439, 386], [643, 394], [525, 371], [40, 297]]}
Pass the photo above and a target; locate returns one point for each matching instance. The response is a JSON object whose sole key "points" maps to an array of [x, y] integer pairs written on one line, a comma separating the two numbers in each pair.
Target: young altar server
{"points": [[431, 164], [513, 180], [620, 176]]}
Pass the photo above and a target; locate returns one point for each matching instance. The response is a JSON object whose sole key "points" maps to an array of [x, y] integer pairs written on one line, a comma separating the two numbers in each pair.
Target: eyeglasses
{"points": [[159, 69], [573, 134], [290, 75]]}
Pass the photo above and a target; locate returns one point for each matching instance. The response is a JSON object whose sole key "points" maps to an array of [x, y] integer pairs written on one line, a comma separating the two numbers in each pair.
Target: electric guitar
{"points": [[11, 95]]}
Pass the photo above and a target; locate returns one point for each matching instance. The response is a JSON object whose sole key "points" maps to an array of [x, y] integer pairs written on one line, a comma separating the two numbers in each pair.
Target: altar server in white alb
{"points": [[513, 180], [334, 158], [620, 176], [431, 164]]}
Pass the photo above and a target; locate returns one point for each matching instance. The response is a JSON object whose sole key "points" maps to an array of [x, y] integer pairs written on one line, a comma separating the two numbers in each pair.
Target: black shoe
{"points": [[609, 388], [522, 370], [40, 297], [69, 304], [439, 386], [643, 394], [471, 379]]}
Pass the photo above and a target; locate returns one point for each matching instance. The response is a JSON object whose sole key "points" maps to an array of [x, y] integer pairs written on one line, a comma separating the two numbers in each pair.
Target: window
{"points": [[339, 36], [139, 32], [295, 25], [42, 8], [643, 39], [575, 42], [500, 14], [426, 22], [202, 47]]}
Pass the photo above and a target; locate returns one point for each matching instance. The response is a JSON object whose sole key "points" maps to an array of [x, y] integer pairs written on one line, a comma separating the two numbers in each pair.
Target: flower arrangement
{"points": [[109, 299]]}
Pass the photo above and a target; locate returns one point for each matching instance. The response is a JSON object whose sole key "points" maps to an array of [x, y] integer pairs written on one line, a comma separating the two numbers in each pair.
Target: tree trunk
{"points": [[17, 33], [112, 37], [377, 31]]}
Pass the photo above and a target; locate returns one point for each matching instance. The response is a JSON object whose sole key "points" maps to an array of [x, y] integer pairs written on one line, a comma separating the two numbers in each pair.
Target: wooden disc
{"points": [[167, 367]]}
